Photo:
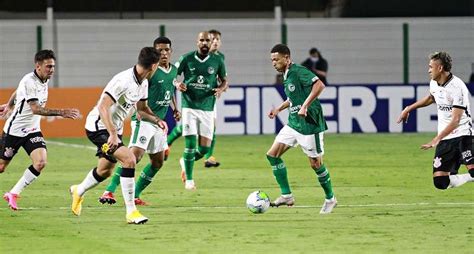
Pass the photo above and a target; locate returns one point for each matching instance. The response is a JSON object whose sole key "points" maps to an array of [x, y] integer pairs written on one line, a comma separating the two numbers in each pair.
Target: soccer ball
{"points": [[258, 202]]}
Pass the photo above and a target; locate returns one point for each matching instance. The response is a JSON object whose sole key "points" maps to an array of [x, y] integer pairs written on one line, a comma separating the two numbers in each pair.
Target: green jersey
{"points": [[161, 90], [298, 82], [200, 77], [218, 53]]}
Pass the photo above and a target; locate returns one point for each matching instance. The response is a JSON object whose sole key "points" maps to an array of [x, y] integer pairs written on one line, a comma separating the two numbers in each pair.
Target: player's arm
{"points": [[456, 115], [106, 101], [5, 109], [174, 107], [423, 102], [274, 111], [37, 109], [316, 90], [147, 114], [222, 87]]}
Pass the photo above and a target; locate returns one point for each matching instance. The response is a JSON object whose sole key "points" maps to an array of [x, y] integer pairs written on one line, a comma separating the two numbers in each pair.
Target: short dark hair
{"points": [[313, 50], [44, 54], [281, 48], [214, 31], [162, 40], [444, 58], [148, 56]]}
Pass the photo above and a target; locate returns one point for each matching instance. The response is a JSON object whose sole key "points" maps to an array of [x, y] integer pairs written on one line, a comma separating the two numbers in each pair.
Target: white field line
{"points": [[70, 145], [240, 207]]}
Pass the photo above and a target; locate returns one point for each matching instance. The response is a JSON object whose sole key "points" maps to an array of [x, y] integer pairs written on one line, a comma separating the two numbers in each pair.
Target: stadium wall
{"points": [[90, 52], [243, 109]]}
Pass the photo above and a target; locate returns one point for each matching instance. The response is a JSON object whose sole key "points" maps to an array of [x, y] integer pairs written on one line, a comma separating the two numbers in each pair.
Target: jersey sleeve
{"points": [[145, 90], [222, 72], [30, 91], [115, 89], [306, 77], [458, 98]]}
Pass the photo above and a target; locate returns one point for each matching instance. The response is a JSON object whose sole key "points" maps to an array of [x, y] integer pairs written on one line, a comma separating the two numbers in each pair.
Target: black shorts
{"points": [[10, 144], [453, 152], [100, 138]]}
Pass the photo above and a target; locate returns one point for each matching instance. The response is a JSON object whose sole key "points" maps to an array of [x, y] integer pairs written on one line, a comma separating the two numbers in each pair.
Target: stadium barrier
{"points": [[243, 109]]}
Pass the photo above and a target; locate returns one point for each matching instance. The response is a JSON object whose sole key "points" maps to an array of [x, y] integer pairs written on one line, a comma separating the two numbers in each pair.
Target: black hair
{"points": [[214, 31], [44, 54], [148, 56], [444, 58], [313, 50], [281, 48], [162, 40]]}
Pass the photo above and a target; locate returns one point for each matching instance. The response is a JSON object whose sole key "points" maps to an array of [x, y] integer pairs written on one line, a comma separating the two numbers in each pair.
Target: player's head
{"points": [[215, 40], [148, 59], [163, 45], [314, 52], [204, 42], [45, 63], [281, 57], [440, 62]]}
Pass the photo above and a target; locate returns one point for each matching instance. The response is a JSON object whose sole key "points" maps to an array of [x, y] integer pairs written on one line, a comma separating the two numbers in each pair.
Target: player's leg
{"points": [[211, 160], [35, 147], [313, 147], [176, 133], [283, 141], [156, 148], [460, 149], [188, 159]]}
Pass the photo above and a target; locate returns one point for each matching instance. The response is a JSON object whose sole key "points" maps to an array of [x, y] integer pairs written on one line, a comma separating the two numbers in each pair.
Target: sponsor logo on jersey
{"points": [[295, 109], [161, 81], [210, 70], [9, 151], [28, 130], [466, 154], [447, 108], [437, 162], [200, 79]]}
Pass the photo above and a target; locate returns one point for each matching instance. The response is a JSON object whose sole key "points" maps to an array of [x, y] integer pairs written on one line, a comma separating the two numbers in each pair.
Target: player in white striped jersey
{"points": [[22, 128], [454, 142], [126, 92]]}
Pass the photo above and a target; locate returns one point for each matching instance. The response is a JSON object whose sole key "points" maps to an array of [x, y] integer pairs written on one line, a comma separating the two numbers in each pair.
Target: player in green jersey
{"points": [[204, 80], [306, 126], [178, 130], [146, 136]]}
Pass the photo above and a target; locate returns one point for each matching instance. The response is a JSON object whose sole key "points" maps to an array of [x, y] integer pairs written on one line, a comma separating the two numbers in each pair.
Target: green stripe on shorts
{"points": [[318, 143], [135, 133]]}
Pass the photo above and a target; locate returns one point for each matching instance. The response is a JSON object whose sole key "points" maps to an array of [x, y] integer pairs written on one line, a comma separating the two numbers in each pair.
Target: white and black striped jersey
{"points": [[125, 90], [452, 94], [22, 121]]}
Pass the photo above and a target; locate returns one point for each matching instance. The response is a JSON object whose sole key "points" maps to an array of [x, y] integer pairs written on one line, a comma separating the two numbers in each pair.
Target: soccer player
{"points": [[306, 126], [178, 130], [127, 91], [454, 142], [204, 80], [147, 136], [22, 128]]}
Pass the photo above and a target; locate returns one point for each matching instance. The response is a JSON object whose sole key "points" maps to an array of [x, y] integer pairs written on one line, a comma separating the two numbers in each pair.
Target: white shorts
{"points": [[148, 136], [198, 122], [312, 145]]}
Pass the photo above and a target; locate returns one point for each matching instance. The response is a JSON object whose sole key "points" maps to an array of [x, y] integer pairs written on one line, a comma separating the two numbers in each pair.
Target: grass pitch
{"points": [[387, 203]]}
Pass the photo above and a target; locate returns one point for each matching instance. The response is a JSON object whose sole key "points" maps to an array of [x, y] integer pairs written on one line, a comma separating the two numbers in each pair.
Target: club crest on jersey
{"points": [[291, 87], [437, 162], [9, 152], [210, 70], [143, 139], [200, 79]]}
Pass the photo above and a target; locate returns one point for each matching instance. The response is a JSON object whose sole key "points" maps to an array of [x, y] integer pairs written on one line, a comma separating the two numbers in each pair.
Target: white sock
{"points": [[88, 183], [128, 192], [458, 180], [24, 181]]}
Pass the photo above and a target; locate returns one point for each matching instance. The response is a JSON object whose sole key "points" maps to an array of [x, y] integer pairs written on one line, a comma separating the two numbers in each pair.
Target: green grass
{"points": [[387, 204]]}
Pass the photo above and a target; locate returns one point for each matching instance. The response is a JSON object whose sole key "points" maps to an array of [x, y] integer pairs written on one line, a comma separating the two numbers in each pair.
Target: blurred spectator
{"points": [[471, 79], [317, 64]]}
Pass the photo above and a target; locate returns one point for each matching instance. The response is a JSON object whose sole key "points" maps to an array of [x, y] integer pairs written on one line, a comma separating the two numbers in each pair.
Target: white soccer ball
{"points": [[258, 202]]}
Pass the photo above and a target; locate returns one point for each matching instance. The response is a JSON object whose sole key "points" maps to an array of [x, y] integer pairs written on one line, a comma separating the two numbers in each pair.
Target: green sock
{"points": [[145, 178], [115, 180], [281, 176], [211, 149], [200, 152], [325, 180], [189, 155], [175, 134]]}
